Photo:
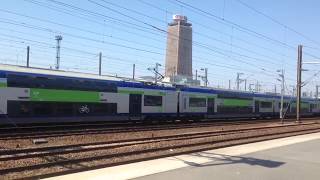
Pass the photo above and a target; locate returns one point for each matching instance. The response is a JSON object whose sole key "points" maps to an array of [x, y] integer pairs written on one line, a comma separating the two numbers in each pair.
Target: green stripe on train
{"points": [[2, 85], [236, 102], [202, 96], [303, 105], [63, 95], [125, 91]]}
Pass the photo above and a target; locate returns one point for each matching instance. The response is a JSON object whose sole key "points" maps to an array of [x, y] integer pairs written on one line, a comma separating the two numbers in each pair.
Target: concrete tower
{"points": [[179, 48]]}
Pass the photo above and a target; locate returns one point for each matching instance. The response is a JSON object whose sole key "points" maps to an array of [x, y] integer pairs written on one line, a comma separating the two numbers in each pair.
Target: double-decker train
{"points": [[35, 95]]}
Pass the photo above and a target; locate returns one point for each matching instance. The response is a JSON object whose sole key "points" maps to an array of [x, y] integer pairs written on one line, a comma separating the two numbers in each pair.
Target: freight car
{"points": [[35, 95]]}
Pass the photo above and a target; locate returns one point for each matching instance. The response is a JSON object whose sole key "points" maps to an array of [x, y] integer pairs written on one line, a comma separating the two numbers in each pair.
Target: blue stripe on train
{"points": [[119, 83], [242, 94]]}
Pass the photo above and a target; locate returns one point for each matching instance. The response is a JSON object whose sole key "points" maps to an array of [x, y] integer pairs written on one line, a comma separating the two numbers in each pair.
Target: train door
{"points": [[210, 107], [135, 102], [274, 107], [178, 104], [256, 107]]}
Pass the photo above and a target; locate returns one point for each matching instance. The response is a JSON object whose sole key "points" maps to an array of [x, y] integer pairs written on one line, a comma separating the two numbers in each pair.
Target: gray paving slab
{"points": [[299, 161]]}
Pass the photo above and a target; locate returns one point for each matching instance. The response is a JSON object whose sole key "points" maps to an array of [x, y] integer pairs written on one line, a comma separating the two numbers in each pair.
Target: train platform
{"points": [[286, 158]]}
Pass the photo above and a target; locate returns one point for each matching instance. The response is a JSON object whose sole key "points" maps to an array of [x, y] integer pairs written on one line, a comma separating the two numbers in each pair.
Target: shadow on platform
{"points": [[221, 159]]}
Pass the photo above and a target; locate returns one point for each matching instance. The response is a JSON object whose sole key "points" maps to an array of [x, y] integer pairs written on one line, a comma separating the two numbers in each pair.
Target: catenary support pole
{"points": [[133, 71], [282, 94], [100, 63], [317, 92], [299, 67], [238, 81], [196, 74], [206, 76], [28, 56], [245, 85]]}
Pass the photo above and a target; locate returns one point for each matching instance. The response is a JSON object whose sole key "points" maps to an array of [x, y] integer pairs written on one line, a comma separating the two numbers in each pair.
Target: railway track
{"points": [[50, 161], [100, 128]]}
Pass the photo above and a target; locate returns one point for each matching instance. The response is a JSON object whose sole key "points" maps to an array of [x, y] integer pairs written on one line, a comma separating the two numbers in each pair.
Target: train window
{"points": [[197, 102], [28, 108], [3, 75], [313, 106], [234, 109], [42, 108], [18, 81], [229, 95], [152, 100], [26, 81], [64, 109], [104, 108], [285, 104], [19, 108], [264, 104]]}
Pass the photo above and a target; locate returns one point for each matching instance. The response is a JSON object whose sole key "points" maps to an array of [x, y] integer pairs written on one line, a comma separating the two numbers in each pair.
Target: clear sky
{"points": [[228, 37]]}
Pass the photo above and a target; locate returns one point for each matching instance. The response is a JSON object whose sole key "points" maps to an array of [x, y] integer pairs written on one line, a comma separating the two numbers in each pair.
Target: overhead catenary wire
{"points": [[237, 26], [108, 57], [231, 23], [194, 32], [65, 4], [217, 50], [272, 51], [205, 48], [110, 43], [277, 22], [68, 5]]}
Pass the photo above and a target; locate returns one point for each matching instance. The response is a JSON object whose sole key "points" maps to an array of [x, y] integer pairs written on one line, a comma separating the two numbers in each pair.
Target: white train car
{"points": [[195, 103], [30, 95], [215, 103]]}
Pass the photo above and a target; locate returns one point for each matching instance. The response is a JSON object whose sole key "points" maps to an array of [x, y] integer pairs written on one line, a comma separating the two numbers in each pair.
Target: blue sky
{"points": [[125, 32]]}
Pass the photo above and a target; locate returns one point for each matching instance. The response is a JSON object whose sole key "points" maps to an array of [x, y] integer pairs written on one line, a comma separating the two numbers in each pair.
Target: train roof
{"points": [[120, 81], [233, 93]]}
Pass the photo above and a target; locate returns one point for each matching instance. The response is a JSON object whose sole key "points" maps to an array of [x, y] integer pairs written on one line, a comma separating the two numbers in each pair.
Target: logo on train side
{"points": [[84, 109], [36, 93]]}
